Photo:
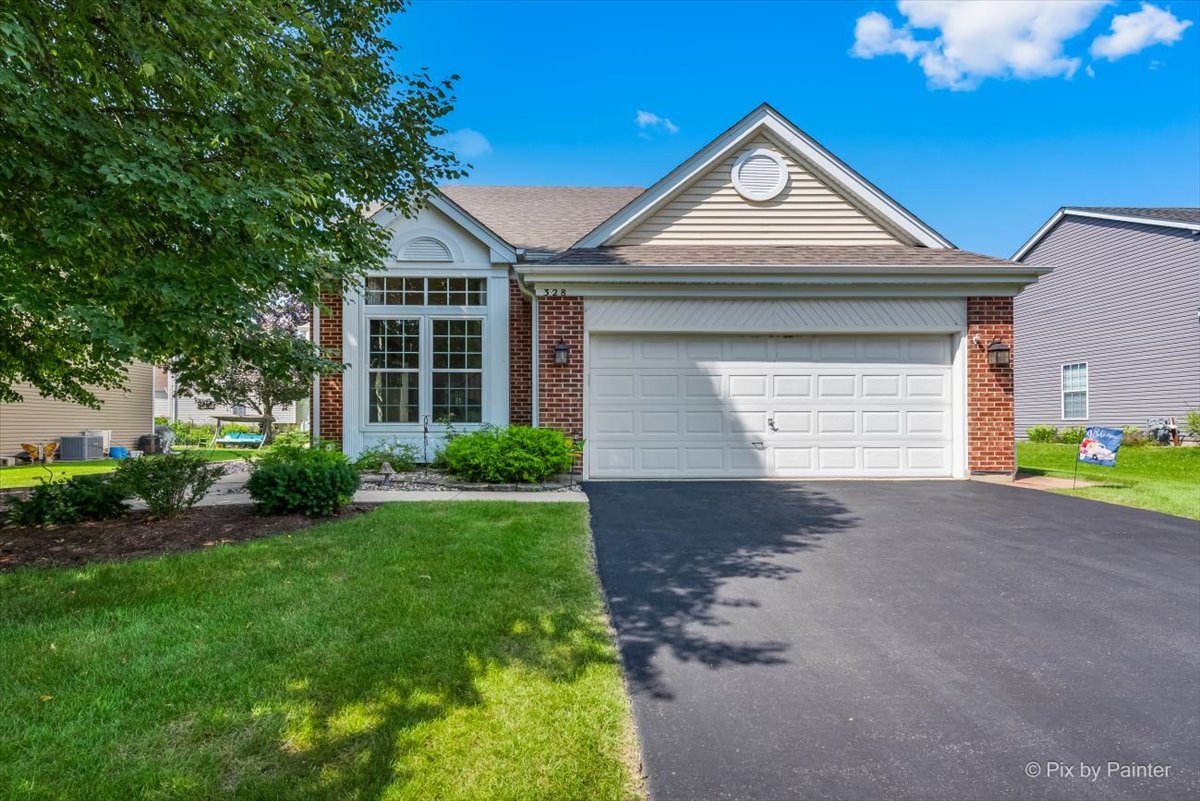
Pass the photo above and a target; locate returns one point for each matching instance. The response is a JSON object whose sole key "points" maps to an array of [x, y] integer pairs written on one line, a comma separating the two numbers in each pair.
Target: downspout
{"points": [[533, 362], [314, 434]]}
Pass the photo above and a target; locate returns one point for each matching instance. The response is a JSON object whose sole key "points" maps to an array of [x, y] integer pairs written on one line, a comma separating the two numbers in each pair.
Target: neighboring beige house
{"points": [[127, 413], [174, 405]]}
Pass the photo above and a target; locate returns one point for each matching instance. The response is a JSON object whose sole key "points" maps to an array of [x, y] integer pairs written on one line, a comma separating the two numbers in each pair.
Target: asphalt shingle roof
{"points": [[541, 218], [1173, 213], [766, 255]]}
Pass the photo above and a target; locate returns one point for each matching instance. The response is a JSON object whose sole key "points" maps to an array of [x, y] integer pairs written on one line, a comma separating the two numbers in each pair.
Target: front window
{"points": [[393, 371], [428, 361], [458, 370], [1075, 391]]}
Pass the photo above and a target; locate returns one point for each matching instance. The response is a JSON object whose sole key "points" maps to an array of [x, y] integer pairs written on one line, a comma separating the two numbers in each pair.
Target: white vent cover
{"points": [[425, 248], [759, 174]]}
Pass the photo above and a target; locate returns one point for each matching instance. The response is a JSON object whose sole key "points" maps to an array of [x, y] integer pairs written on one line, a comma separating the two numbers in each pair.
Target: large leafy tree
{"points": [[167, 165], [282, 376]]}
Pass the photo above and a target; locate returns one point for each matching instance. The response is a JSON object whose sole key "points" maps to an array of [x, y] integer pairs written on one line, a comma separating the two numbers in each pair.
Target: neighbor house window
{"points": [[1075, 391], [425, 348], [394, 371], [458, 370]]}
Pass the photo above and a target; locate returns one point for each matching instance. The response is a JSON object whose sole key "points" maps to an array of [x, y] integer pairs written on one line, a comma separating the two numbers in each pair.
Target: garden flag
{"points": [[1099, 446]]}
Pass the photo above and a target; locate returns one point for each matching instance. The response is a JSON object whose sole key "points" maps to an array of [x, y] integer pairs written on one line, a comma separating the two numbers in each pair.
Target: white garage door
{"points": [[671, 406]]}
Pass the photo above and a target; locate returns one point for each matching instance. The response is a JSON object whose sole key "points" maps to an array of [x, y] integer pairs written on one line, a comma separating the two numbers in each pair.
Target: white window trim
{"points": [[1062, 391], [425, 315], [367, 369]]}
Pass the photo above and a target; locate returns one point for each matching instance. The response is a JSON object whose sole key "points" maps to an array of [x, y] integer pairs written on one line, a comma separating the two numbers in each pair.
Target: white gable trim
{"points": [[501, 251], [765, 118], [1033, 241]]}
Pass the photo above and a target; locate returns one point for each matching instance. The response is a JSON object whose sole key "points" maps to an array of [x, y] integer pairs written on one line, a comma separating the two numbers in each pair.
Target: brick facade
{"points": [[560, 387], [520, 360], [990, 439], [330, 387]]}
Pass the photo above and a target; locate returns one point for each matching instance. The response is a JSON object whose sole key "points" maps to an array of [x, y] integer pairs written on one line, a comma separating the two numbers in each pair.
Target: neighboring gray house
{"points": [[1112, 335]]}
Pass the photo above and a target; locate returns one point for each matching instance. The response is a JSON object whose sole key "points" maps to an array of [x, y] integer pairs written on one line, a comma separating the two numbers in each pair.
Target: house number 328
{"points": [[554, 293]]}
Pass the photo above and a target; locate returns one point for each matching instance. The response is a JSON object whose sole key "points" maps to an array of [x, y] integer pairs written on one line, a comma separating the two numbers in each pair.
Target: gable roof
{"points": [[544, 219], [1182, 214], [775, 255], [833, 170], [502, 250], [1184, 217]]}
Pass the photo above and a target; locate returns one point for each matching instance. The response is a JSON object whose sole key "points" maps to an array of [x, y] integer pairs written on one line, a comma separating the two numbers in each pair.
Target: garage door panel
{"points": [[754, 406], [703, 422], [659, 422], [793, 386]]}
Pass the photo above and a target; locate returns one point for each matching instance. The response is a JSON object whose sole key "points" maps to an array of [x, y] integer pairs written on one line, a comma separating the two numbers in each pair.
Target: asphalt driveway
{"points": [[920, 640]]}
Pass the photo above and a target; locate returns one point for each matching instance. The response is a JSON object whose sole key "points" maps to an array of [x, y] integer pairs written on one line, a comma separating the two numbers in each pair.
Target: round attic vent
{"points": [[759, 174]]}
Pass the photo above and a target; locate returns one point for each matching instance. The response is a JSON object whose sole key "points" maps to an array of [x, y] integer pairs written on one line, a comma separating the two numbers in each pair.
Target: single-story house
{"points": [[126, 413], [761, 311], [1112, 336]]}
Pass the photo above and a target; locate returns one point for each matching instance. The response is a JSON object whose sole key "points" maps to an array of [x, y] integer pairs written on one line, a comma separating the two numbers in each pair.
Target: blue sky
{"points": [[1004, 112]]}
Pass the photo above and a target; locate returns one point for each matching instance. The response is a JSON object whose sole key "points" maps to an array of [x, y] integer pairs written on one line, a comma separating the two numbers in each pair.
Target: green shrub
{"points": [[1042, 433], [515, 454], [311, 481], [292, 438], [1133, 437], [65, 502], [1192, 425], [402, 456], [1072, 435], [168, 483]]}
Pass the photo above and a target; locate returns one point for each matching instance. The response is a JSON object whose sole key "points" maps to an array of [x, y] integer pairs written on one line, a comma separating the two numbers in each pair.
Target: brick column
{"points": [[991, 441], [560, 387], [520, 359], [330, 386]]}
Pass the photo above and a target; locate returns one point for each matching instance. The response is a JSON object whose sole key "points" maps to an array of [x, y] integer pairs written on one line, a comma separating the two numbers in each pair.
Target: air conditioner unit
{"points": [[75, 449], [104, 434]]}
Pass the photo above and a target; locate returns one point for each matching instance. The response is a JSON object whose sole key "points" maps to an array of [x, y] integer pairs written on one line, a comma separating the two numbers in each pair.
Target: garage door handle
{"points": [[760, 446], [771, 424]]}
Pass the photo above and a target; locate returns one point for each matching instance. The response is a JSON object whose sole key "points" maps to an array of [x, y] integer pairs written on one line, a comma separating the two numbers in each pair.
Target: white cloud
{"points": [[466, 143], [978, 39], [1134, 32], [648, 119]]}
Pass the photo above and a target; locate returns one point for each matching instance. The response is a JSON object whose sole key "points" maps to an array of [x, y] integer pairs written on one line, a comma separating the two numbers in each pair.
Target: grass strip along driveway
{"points": [[1149, 477], [423, 651]]}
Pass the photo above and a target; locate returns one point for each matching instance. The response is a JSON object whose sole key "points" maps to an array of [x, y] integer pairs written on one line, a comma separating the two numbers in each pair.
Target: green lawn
{"points": [[32, 475], [423, 651], [1163, 479]]}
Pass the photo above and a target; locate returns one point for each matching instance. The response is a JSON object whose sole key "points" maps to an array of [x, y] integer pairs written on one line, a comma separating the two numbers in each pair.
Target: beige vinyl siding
{"points": [[37, 419], [710, 211]]}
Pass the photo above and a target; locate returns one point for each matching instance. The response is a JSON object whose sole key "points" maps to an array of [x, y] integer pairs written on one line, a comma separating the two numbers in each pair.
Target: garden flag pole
{"points": [[1099, 446]]}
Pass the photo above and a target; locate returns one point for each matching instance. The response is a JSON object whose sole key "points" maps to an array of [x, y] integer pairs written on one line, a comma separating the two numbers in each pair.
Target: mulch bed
{"points": [[137, 534]]}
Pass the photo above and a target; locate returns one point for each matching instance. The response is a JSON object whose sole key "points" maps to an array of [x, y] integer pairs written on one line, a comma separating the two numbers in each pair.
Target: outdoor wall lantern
{"points": [[562, 353], [998, 353]]}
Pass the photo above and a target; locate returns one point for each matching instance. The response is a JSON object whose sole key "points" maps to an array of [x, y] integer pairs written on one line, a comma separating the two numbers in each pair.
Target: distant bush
{"points": [[1042, 433], [1192, 424], [56, 503], [1073, 434], [291, 438], [1133, 437], [168, 483], [312, 481], [514, 454], [402, 456]]}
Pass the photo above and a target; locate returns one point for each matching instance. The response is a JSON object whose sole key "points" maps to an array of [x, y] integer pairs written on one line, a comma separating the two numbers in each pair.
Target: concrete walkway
{"points": [[230, 491]]}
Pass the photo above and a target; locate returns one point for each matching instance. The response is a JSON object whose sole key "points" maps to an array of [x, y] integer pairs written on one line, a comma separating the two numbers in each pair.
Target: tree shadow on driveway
{"points": [[666, 550]]}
